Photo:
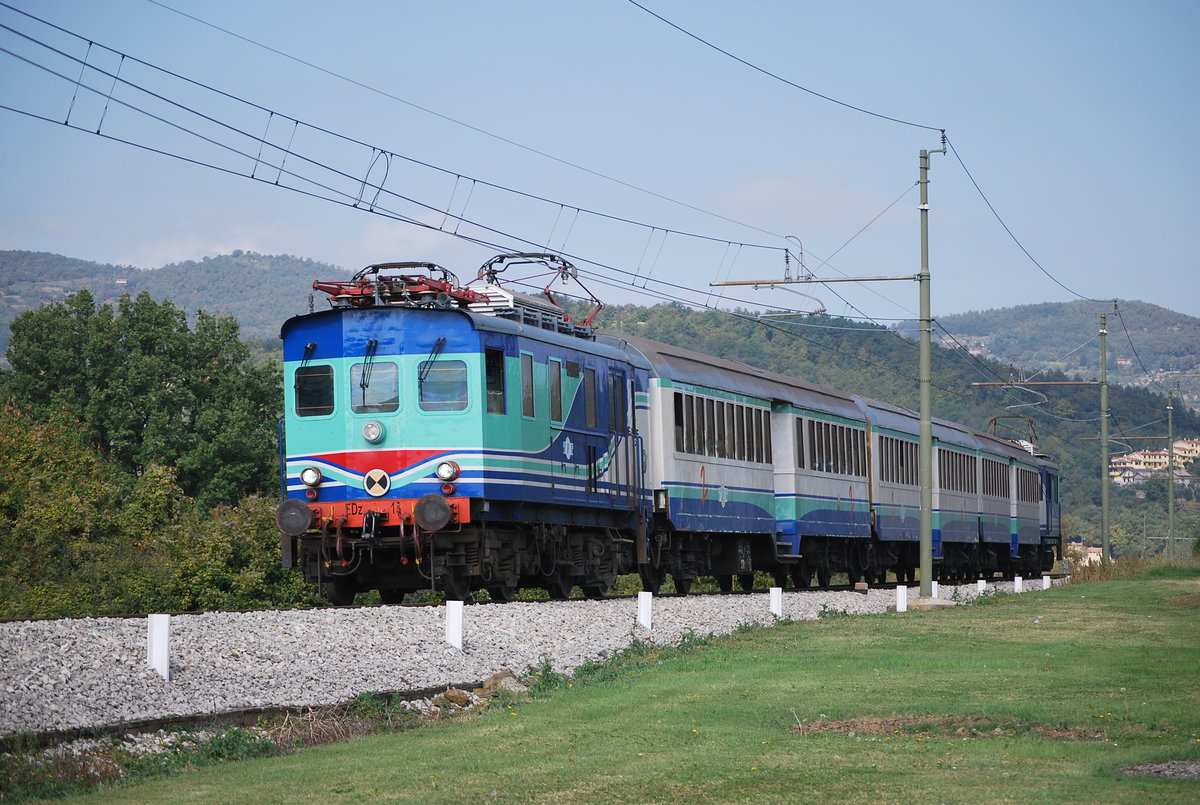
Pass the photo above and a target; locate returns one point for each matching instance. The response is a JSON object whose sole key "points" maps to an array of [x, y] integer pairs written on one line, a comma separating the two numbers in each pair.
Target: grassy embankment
{"points": [[1043, 696]]}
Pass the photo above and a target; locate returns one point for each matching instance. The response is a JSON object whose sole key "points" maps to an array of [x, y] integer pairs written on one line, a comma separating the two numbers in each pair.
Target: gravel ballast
{"points": [[93, 672]]}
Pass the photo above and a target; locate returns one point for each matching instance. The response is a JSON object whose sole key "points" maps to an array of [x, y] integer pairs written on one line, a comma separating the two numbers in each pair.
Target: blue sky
{"points": [[1079, 121]]}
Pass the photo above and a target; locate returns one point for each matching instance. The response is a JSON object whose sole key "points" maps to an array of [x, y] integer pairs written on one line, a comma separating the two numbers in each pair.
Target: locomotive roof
{"points": [[487, 323]]}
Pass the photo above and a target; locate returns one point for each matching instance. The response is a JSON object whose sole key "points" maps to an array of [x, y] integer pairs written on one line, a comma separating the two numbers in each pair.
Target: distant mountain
{"points": [[259, 290], [1148, 346]]}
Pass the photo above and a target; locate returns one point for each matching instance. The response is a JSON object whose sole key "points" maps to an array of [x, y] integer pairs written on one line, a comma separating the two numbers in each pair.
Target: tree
{"points": [[150, 390]]}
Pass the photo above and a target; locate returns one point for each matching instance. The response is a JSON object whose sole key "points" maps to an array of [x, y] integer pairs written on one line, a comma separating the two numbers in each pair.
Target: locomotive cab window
{"points": [[314, 391], [556, 399], [374, 387], [616, 402], [528, 407], [442, 385], [493, 369], [589, 398]]}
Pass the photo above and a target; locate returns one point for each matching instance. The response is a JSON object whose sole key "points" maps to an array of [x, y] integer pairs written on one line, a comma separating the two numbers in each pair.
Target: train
{"points": [[460, 437]]}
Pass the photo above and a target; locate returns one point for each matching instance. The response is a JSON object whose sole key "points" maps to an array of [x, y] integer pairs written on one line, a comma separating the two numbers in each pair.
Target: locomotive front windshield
{"points": [[375, 387], [442, 386], [314, 390]]}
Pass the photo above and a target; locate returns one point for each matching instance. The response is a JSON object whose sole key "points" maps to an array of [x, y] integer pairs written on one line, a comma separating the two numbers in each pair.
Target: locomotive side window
{"points": [[493, 367], [374, 387], [589, 397], [442, 386], [527, 404], [616, 402], [556, 400], [314, 391]]}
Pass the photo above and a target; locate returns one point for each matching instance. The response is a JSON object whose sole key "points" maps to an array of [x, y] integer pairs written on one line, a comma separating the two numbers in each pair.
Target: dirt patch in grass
{"points": [[1177, 769], [929, 726]]}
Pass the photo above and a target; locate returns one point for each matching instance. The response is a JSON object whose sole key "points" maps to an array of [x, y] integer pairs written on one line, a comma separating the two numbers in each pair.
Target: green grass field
{"points": [[1039, 697]]}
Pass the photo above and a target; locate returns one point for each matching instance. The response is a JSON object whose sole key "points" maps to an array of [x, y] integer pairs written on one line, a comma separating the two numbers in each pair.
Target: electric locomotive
{"points": [[455, 438]]}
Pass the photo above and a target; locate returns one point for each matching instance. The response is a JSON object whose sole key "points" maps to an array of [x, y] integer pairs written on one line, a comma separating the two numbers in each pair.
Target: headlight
{"points": [[311, 476], [373, 431], [447, 471]]}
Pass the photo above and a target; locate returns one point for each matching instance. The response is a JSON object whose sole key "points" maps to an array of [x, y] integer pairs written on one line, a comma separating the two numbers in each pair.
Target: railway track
{"points": [[834, 588]]}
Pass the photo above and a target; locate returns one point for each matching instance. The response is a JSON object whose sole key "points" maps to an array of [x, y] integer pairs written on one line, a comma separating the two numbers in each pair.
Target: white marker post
{"points": [[644, 602], [454, 624], [901, 598], [980, 586], [158, 644], [1045, 582], [935, 589], [1018, 585], [777, 601]]}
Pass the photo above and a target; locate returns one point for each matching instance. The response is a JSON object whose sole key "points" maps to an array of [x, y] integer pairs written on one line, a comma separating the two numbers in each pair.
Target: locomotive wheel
{"points": [[341, 592], [502, 593], [682, 586], [746, 581], [725, 583], [652, 578], [823, 576], [594, 590], [781, 578], [455, 585], [391, 595], [559, 585], [802, 575]]}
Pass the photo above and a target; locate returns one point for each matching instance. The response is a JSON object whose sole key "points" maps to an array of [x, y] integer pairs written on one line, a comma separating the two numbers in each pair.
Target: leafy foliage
{"points": [[132, 447], [150, 390]]}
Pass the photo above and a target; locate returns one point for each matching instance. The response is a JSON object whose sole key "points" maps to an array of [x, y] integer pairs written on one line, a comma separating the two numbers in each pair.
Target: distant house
{"points": [[1085, 554]]}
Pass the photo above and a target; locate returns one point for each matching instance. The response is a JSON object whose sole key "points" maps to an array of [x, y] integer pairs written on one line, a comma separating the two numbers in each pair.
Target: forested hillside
{"points": [[1147, 345], [258, 290]]}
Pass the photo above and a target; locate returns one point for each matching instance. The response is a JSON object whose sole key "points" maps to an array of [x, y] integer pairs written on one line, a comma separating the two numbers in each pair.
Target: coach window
{"points": [[374, 387], [739, 420], [679, 430], [442, 385], [730, 430], [589, 398], [493, 368], [527, 406], [314, 391], [799, 442], [556, 401], [689, 424]]}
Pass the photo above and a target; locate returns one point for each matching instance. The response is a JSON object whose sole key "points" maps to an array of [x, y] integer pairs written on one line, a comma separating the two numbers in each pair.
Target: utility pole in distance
{"points": [[1171, 474], [925, 376], [1104, 480]]}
